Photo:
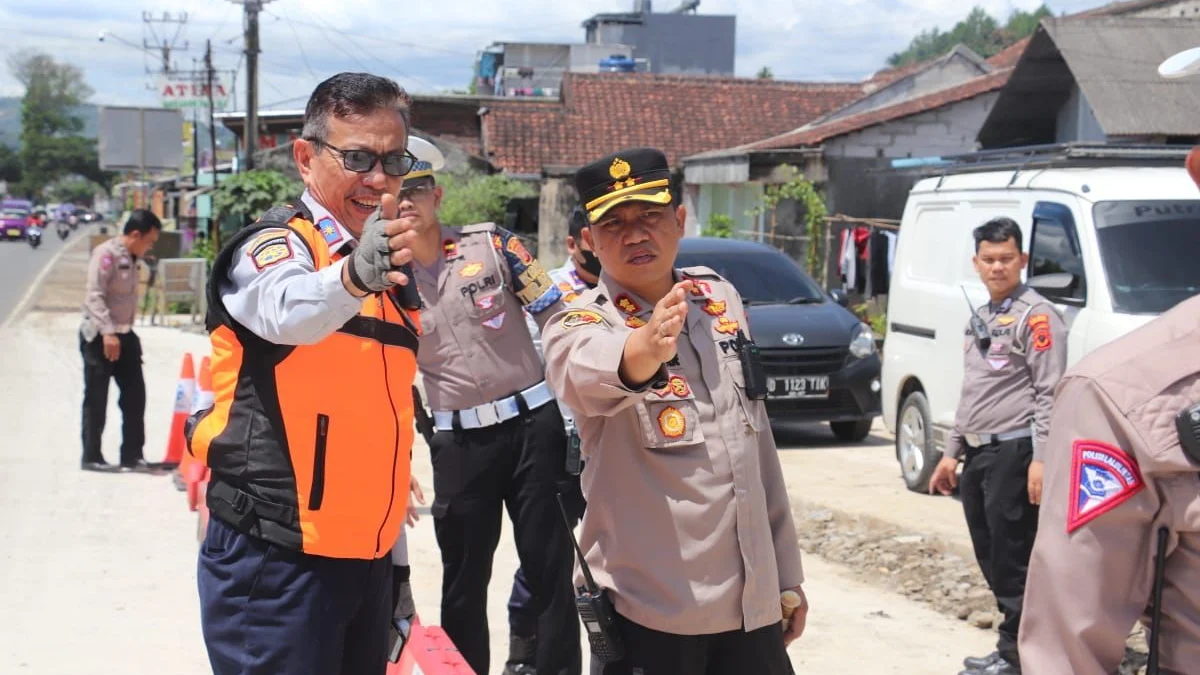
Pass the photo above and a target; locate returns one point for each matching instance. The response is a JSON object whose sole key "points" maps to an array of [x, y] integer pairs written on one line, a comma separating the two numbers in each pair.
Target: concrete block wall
{"points": [[948, 130]]}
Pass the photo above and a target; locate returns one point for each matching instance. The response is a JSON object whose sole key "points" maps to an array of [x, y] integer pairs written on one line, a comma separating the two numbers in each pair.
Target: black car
{"points": [[820, 359]]}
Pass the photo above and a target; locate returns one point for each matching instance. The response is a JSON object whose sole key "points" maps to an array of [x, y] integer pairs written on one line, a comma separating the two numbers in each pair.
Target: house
{"points": [[1094, 78], [679, 41]]}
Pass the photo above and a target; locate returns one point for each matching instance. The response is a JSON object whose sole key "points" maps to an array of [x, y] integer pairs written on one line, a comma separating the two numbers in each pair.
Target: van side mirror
{"points": [[1056, 286], [839, 296]]}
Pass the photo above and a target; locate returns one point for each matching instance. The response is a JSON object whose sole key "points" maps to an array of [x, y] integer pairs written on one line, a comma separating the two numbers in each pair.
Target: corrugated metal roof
{"points": [[1114, 60]]}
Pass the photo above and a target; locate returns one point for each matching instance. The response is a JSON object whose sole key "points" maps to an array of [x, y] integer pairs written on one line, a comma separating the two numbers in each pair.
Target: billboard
{"points": [[140, 139], [190, 90]]}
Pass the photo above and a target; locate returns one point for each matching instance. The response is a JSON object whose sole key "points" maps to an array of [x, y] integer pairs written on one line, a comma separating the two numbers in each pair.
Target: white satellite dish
{"points": [[425, 151], [1182, 64]]}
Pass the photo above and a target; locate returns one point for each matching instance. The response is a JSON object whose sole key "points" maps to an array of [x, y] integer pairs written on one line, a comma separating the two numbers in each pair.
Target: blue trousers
{"points": [[265, 609]]}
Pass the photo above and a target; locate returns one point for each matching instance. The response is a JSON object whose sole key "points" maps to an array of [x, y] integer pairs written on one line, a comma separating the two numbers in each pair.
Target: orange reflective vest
{"points": [[309, 446]]}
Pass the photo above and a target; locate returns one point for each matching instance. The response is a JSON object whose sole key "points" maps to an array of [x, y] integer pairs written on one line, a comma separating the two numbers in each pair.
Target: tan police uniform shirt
{"points": [[1011, 386], [688, 521], [1115, 473], [112, 284], [475, 346]]}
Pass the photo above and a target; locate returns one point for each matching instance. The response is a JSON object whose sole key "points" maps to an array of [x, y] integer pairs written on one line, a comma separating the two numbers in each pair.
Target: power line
{"points": [[161, 46], [303, 54]]}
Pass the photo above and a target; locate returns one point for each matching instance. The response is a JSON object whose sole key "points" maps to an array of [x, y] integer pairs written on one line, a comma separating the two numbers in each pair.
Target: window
{"points": [[1147, 247], [1055, 250]]}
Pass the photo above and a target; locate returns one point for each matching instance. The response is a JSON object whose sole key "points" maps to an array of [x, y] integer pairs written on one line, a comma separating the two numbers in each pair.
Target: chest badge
{"points": [[727, 326], [672, 423], [715, 307], [450, 248], [635, 322], [471, 270]]}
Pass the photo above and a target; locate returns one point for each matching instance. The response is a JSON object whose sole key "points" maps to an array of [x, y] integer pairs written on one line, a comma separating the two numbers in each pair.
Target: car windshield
{"points": [[1146, 246], [13, 213], [761, 277]]}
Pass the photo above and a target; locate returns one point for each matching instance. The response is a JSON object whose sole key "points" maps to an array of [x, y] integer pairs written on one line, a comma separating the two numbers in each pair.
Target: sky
{"points": [[431, 46]]}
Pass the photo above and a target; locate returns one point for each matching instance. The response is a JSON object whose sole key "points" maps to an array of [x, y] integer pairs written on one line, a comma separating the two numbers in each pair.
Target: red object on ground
{"points": [[184, 391], [429, 651]]}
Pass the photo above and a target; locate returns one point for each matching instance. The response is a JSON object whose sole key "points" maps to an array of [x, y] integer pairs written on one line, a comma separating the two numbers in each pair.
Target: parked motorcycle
{"points": [[34, 235]]}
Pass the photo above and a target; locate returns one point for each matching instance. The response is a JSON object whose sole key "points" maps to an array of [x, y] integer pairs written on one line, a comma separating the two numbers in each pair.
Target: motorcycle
{"points": [[73, 221], [34, 235], [63, 231]]}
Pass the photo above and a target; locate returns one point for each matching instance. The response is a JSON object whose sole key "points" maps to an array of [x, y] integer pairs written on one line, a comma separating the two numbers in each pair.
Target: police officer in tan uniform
{"points": [[500, 440], [1015, 351], [688, 525], [110, 348], [1121, 506]]}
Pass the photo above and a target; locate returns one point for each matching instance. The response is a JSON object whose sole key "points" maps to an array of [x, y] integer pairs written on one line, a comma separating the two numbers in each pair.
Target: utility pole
{"points": [[195, 138], [161, 44], [214, 226], [252, 8]]}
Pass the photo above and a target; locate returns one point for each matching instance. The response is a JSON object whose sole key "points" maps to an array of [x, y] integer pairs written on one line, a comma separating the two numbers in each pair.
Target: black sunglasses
{"points": [[395, 164]]}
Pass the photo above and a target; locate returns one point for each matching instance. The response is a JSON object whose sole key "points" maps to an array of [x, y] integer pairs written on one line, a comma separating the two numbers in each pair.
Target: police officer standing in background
{"points": [[581, 270], [309, 438], [1122, 508], [110, 348], [688, 525], [1015, 353], [500, 439]]}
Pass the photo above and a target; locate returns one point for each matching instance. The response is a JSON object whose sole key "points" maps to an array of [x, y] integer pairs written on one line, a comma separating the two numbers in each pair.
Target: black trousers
{"points": [[127, 371], [651, 652], [1003, 525], [477, 473]]}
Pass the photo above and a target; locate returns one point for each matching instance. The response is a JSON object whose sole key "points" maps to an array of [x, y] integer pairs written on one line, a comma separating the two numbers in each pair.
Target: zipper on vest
{"points": [[387, 383], [317, 494]]}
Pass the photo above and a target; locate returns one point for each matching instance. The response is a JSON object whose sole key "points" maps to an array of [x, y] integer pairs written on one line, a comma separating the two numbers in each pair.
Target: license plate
{"points": [[815, 386], [14, 232]]}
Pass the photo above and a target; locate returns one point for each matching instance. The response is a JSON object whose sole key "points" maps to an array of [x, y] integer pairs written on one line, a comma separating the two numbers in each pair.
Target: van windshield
{"points": [[1148, 249]]}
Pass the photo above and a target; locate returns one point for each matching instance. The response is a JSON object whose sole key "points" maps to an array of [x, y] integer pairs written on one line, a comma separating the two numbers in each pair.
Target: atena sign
{"points": [[184, 92]]}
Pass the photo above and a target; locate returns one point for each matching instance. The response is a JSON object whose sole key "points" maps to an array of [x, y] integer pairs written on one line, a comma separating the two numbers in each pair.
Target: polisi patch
{"points": [[496, 321], [471, 270], [1102, 478], [672, 422], [581, 317], [271, 251]]}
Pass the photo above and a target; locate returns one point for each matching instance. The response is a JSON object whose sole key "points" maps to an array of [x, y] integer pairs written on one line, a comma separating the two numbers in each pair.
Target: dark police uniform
{"points": [[109, 309], [1002, 421], [500, 440]]}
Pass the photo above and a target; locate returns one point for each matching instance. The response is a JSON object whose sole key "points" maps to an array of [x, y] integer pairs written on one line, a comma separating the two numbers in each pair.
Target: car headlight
{"points": [[862, 344]]}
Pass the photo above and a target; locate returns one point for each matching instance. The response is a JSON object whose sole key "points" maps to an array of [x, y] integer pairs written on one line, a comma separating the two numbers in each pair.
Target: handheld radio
{"points": [[595, 608]]}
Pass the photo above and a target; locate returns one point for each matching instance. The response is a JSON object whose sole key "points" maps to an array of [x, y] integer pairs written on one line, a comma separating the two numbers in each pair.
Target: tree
{"points": [[10, 164], [979, 31], [248, 195], [475, 198], [719, 225], [51, 144], [766, 73]]}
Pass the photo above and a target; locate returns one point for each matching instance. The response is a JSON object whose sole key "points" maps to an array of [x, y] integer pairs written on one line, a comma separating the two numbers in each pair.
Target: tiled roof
{"points": [[1008, 57], [682, 115], [840, 127]]}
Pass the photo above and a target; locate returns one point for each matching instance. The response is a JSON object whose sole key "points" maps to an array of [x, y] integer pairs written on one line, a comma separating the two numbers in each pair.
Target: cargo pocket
{"points": [[669, 420], [748, 407], [316, 493]]}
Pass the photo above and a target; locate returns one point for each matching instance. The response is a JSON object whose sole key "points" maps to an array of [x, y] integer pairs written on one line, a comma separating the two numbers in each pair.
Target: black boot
{"points": [[522, 655], [981, 662]]}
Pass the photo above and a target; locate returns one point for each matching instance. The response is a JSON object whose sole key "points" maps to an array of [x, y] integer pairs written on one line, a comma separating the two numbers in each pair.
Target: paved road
{"points": [[20, 265]]}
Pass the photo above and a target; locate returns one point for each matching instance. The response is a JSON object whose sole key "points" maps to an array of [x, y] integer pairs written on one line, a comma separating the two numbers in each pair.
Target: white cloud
{"points": [[431, 46]]}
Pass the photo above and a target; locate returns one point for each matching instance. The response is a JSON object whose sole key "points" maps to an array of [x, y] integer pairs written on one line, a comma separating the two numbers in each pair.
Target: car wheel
{"points": [[914, 443], [852, 431]]}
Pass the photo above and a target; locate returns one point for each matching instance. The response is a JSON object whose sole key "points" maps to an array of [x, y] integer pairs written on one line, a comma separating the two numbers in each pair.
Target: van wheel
{"points": [[852, 431], [914, 443]]}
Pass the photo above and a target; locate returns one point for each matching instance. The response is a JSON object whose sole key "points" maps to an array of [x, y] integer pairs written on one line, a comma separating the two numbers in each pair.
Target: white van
{"points": [[1112, 247]]}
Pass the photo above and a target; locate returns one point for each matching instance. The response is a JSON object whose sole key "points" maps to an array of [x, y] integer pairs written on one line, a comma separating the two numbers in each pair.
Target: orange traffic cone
{"points": [[184, 392], [191, 470]]}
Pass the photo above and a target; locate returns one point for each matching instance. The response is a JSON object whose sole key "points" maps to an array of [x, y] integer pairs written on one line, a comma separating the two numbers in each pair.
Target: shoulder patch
{"points": [[581, 317], [106, 261], [267, 251], [1041, 337], [1102, 478], [518, 249]]}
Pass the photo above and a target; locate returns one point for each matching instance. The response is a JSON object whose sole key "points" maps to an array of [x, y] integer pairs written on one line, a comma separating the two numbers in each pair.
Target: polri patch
{"points": [[1039, 324], [516, 248], [271, 251], [581, 317], [496, 321], [1102, 478]]}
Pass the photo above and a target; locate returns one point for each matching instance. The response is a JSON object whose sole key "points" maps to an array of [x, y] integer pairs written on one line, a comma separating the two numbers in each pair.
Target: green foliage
{"points": [[475, 198], [203, 247], [249, 194], [979, 31], [719, 225], [800, 190], [10, 164], [766, 73], [51, 142], [879, 324], [73, 189]]}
